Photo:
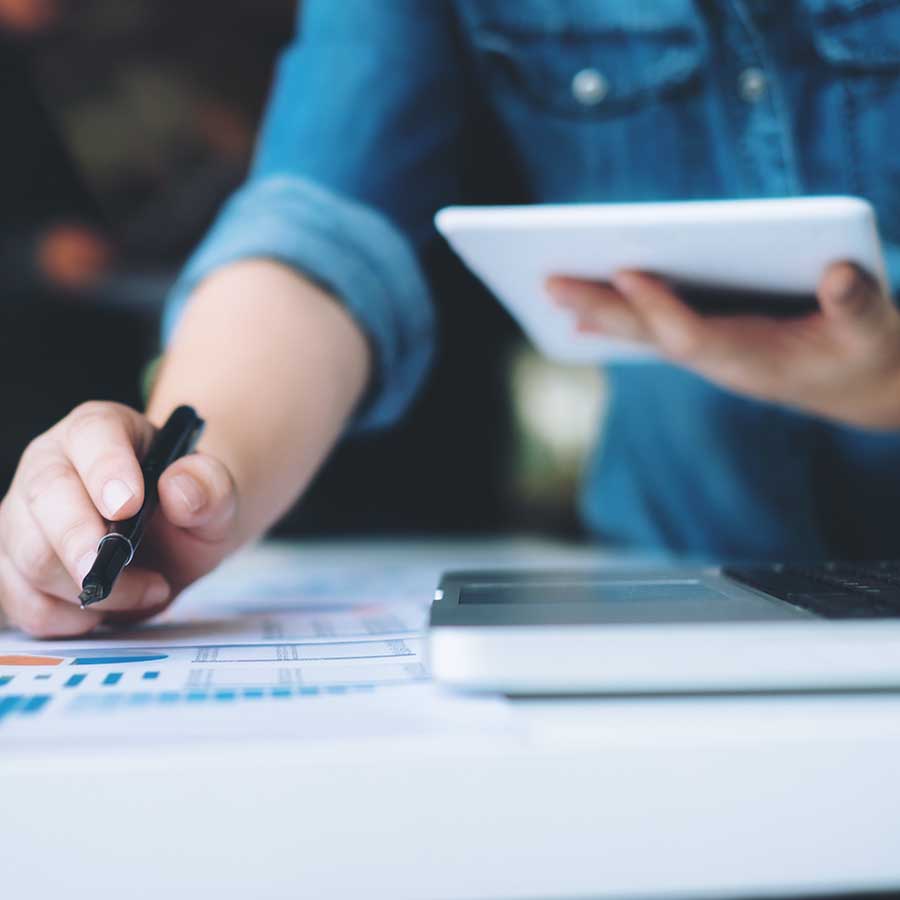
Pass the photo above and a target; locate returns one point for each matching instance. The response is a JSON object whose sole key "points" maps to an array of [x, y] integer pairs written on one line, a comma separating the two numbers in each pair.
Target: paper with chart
{"points": [[227, 647], [323, 642]]}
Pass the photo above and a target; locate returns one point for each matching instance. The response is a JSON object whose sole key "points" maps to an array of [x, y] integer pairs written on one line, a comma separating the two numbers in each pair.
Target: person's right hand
{"points": [[85, 470]]}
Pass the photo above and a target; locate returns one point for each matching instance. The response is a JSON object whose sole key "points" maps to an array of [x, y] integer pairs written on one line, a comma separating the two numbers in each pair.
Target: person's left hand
{"points": [[841, 362]]}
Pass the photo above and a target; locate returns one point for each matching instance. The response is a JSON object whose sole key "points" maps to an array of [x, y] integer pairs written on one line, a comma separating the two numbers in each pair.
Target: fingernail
{"points": [[83, 566], [191, 492], [155, 595], [115, 495]]}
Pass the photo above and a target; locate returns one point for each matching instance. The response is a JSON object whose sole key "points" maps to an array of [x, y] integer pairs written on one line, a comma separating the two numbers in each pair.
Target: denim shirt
{"points": [[596, 100]]}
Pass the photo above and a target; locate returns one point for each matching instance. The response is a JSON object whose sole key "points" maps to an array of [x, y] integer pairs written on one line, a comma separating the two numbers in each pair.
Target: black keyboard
{"points": [[832, 590]]}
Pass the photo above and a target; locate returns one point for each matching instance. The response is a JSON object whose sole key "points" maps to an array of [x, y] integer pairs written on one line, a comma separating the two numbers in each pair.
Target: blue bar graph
{"points": [[35, 704], [141, 699], [74, 680], [88, 702], [18, 704], [8, 705], [5, 680], [113, 678]]}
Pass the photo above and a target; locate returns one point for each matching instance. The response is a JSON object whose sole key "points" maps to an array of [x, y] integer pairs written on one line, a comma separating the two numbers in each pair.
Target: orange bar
{"points": [[30, 660]]}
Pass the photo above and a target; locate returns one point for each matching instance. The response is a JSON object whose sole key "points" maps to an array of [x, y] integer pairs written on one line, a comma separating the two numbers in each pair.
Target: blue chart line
{"points": [[107, 702], [74, 680], [24, 706], [113, 678], [5, 680], [115, 660]]}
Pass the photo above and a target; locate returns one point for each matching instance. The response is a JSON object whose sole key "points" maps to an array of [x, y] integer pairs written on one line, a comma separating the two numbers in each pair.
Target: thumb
{"points": [[197, 493], [850, 296]]}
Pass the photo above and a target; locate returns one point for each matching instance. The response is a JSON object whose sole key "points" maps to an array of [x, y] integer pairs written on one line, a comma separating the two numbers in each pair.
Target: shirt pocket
{"points": [[636, 59], [857, 35], [858, 44], [592, 93]]}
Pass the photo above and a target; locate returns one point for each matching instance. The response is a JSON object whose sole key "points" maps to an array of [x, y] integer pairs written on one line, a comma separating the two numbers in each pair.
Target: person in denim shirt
{"points": [[305, 312]]}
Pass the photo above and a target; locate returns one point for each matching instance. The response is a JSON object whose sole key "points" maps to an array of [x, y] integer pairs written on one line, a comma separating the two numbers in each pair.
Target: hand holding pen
{"points": [[117, 547], [82, 475]]}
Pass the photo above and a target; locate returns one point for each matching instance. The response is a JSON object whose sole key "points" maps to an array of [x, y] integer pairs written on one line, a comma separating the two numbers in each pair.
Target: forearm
{"points": [[276, 366]]}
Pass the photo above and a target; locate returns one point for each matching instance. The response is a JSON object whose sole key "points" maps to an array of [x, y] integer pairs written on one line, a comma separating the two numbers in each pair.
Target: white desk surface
{"points": [[597, 798]]}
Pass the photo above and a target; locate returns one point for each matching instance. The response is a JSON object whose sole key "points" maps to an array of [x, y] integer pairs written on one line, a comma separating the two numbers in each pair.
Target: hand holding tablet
{"points": [[790, 296], [724, 256]]}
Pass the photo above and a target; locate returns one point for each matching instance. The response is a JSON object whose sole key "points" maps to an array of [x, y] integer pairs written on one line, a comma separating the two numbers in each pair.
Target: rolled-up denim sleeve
{"points": [[349, 250], [353, 159]]}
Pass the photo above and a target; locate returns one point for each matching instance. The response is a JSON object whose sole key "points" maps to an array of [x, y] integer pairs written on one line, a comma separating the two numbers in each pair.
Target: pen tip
{"points": [[92, 593]]}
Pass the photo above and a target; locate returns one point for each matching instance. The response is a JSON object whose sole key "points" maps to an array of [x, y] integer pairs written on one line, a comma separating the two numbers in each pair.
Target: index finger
{"points": [[679, 332], [103, 442]]}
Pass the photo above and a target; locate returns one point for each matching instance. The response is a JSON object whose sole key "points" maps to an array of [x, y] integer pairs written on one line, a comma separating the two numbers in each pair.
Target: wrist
{"points": [[876, 405], [887, 416]]}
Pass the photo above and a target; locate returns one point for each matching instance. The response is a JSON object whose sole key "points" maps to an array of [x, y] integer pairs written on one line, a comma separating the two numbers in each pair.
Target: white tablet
{"points": [[743, 255]]}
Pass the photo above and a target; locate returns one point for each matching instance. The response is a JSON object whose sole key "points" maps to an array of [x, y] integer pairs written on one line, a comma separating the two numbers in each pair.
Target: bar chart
{"points": [[87, 657], [70, 681], [114, 681], [267, 657], [111, 702], [22, 705]]}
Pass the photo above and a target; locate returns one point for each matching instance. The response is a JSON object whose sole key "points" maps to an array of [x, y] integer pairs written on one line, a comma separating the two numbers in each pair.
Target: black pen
{"points": [[118, 546]]}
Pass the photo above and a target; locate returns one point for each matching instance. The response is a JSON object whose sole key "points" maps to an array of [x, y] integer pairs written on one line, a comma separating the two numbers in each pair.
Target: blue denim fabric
{"points": [[362, 143]]}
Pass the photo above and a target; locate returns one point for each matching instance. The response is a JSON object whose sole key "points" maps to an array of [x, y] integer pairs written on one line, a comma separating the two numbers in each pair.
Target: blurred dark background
{"points": [[126, 125]]}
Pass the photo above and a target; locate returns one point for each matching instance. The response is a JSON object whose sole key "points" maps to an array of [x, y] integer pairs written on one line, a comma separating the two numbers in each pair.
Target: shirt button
{"points": [[752, 84], [589, 87]]}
